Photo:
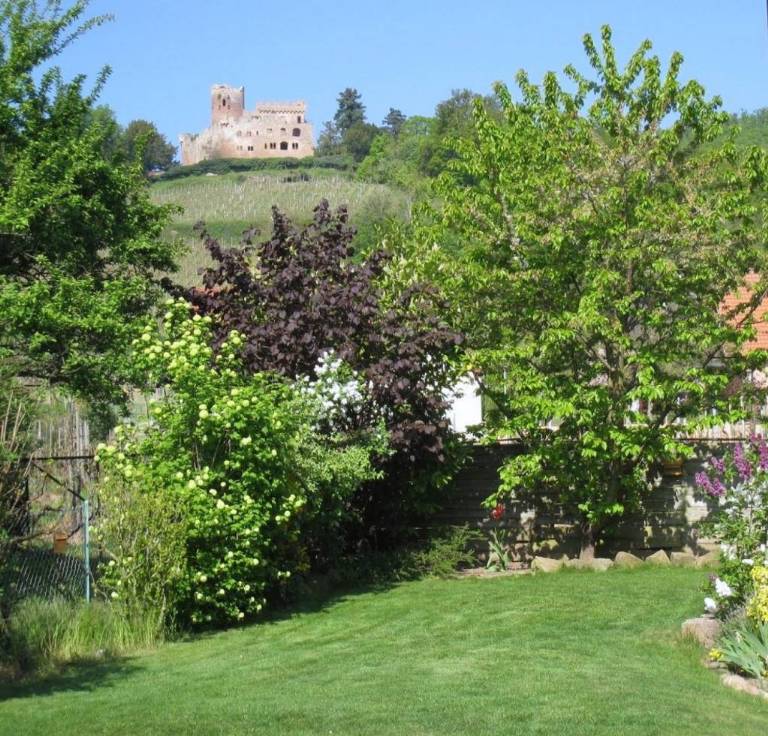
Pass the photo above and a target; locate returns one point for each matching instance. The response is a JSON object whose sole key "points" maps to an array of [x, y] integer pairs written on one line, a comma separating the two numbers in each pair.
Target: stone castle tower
{"points": [[272, 130]]}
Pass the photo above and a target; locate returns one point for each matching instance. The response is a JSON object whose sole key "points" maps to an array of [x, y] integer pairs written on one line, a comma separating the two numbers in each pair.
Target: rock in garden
{"points": [[575, 563], [600, 564], [704, 629], [744, 684], [546, 564], [627, 559], [683, 559], [710, 559], [658, 558]]}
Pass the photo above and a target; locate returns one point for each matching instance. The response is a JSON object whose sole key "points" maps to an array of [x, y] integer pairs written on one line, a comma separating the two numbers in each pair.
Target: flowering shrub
{"points": [[239, 465], [302, 297], [758, 606], [739, 482]]}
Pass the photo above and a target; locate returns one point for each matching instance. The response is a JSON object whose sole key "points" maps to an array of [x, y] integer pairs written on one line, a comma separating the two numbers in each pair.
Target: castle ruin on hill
{"points": [[271, 130]]}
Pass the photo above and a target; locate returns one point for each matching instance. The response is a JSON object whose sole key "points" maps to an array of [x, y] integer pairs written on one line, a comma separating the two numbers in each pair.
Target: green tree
{"points": [[103, 117], [453, 120], [358, 139], [350, 111], [79, 237], [141, 139], [600, 231], [393, 122], [329, 140], [397, 159]]}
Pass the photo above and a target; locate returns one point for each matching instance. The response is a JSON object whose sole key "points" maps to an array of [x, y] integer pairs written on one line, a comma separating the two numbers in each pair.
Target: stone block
{"points": [[743, 684], [658, 558], [599, 564], [546, 564], [710, 559], [683, 559], [627, 559], [704, 629]]}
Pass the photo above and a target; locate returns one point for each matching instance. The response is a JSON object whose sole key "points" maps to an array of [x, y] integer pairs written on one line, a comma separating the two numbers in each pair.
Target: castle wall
{"points": [[271, 130]]}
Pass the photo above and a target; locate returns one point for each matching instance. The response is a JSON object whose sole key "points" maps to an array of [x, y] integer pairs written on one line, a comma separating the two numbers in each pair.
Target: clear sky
{"points": [[408, 54]]}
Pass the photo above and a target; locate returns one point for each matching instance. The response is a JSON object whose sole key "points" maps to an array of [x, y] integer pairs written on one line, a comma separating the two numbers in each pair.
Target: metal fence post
{"points": [[86, 550]]}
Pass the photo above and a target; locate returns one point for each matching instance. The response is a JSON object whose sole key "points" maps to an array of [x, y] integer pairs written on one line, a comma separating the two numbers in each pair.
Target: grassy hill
{"points": [[230, 203]]}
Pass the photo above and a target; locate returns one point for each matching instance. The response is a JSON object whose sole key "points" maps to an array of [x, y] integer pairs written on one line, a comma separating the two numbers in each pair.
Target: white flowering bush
{"points": [[354, 437], [238, 467], [339, 392]]}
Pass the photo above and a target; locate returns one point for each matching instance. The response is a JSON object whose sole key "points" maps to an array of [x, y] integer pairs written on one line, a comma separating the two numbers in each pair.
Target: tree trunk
{"points": [[588, 535]]}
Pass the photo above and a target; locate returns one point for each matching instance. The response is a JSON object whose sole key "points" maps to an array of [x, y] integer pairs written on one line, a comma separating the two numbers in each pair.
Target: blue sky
{"points": [[166, 54]]}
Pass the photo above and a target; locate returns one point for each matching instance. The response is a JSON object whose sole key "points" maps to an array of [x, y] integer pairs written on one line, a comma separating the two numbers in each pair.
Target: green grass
{"points": [[572, 653], [229, 203]]}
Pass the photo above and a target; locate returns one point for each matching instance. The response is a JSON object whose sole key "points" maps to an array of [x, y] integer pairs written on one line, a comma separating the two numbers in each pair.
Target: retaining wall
{"points": [[668, 521]]}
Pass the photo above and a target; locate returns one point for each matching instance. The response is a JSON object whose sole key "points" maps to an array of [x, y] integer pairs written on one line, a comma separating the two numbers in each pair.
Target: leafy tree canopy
{"points": [[398, 159], [329, 140], [600, 231], [79, 237], [393, 122], [141, 139], [350, 111], [301, 295], [358, 140]]}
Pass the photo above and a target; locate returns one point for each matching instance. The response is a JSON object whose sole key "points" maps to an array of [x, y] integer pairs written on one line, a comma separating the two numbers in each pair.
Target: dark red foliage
{"points": [[301, 294]]}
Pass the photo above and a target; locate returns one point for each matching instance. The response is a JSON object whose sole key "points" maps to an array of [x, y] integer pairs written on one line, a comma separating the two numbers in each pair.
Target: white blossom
{"points": [[723, 589]]}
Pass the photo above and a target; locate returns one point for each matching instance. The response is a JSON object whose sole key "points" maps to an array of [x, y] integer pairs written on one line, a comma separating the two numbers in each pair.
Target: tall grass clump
{"points": [[42, 635]]}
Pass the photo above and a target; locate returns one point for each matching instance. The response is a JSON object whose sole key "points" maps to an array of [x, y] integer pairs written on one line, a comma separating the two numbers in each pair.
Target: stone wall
{"points": [[667, 522]]}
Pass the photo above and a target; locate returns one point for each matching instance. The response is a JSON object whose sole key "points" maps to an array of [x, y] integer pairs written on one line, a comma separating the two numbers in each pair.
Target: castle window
{"points": [[298, 118], [296, 132], [266, 145], [269, 130], [284, 145], [273, 145], [295, 146], [282, 130], [249, 133], [250, 148]]}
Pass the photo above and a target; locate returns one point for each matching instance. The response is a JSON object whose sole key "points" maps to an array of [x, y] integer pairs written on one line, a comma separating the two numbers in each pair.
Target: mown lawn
{"points": [[572, 653]]}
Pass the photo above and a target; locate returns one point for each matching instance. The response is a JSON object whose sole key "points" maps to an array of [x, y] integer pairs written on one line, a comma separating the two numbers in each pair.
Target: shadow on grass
{"points": [[314, 596], [311, 595], [82, 676]]}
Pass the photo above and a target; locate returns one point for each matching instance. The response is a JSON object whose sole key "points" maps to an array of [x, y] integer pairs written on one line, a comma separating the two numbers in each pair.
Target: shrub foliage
{"points": [[301, 295], [208, 498]]}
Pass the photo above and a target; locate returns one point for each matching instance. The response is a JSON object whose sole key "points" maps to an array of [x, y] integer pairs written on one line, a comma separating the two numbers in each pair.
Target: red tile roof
{"points": [[758, 319]]}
